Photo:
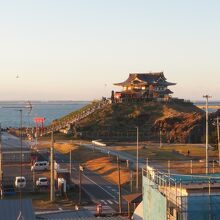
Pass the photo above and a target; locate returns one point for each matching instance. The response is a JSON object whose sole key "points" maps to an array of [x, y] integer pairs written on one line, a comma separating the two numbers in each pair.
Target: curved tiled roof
{"points": [[167, 91], [146, 78]]}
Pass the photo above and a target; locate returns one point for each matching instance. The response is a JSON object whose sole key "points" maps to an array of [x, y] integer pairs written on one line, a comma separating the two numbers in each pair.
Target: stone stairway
{"points": [[75, 117]]}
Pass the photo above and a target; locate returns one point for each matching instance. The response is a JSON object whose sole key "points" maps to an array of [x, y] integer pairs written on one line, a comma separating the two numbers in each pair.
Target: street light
{"points": [[137, 159], [218, 140], [52, 191], [207, 133], [20, 109], [1, 163]]}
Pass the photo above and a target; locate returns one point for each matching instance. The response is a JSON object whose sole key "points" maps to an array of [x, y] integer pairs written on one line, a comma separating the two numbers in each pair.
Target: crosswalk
{"points": [[109, 202]]}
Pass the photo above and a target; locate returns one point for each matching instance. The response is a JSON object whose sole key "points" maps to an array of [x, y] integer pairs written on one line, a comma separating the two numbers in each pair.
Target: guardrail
{"points": [[98, 143]]}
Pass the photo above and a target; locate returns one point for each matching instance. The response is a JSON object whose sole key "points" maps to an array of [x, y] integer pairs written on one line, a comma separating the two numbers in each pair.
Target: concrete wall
{"points": [[154, 203]]}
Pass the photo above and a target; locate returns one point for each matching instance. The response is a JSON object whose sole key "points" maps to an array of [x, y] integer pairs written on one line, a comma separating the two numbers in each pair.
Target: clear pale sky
{"points": [[76, 50]]}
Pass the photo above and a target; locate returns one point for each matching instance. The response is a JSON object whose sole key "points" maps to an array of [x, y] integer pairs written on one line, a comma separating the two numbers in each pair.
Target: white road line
{"points": [[103, 201], [110, 202], [99, 186], [116, 201]]}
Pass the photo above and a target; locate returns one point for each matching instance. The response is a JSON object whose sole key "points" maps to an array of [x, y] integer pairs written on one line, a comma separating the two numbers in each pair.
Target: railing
{"points": [[75, 117], [172, 185]]}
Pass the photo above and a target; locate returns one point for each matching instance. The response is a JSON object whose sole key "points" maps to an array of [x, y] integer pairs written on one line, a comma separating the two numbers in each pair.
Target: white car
{"points": [[42, 181], [40, 166], [20, 182]]}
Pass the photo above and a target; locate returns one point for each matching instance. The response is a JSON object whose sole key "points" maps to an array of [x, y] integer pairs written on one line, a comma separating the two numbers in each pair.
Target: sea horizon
{"points": [[51, 110], [69, 100]]}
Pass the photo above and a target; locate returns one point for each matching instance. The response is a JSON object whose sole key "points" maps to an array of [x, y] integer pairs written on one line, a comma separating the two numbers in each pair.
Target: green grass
{"points": [[195, 150], [166, 152]]}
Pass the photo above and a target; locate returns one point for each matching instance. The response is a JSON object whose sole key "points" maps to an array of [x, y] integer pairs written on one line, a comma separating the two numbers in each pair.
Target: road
{"points": [[11, 161], [11, 142], [98, 188]]}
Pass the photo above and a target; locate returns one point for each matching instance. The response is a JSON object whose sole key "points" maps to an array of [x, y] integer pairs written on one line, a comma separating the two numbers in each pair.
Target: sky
{"points": [[77, 49]]}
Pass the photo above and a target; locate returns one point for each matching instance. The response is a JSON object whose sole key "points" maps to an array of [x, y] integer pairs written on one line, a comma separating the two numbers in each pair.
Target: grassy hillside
{"points": [[179, 122]]}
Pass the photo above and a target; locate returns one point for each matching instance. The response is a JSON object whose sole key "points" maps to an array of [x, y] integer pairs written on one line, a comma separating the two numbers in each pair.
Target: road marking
{"points": [[110, 202], [103, 201], [114, 190], [109, 187], [60, 209], [116, 202], [99, 186]]}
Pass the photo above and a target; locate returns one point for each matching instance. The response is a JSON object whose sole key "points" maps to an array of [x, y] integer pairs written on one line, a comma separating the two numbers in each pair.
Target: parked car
{"points": [[20, 182], [42, 181], [40, 166]]}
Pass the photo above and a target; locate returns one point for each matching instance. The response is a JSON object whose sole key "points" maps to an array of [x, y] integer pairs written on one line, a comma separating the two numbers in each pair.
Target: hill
{"points": [[178, 122]]}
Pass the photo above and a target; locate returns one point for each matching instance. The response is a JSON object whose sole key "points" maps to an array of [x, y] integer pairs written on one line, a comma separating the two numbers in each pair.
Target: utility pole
{"points": [[160, 138], [70, 164], [207, 133], [36, 137], [137, 159], [218, 140], [119, 187], [80, 183], [131, 181], [21, 155], [52, 192], [1, 163], [34, 180]]}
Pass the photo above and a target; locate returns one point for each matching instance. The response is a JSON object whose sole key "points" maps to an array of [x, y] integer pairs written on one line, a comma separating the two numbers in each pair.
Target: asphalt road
{"points": [[11, 142], [99, 189], [102, 191]]}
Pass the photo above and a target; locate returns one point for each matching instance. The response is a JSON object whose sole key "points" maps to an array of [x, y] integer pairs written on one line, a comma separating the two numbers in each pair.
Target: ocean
{"points": [[213, 106], [10, 116]]}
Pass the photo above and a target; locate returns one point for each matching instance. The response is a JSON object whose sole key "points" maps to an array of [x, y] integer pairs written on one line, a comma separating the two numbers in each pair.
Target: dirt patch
{"points": [[108, 169], [65, 147]]}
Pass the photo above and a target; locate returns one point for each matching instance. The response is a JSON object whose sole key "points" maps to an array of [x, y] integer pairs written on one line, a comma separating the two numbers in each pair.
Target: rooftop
{"points": [[146, 78], [10, 209], [187, 181]]}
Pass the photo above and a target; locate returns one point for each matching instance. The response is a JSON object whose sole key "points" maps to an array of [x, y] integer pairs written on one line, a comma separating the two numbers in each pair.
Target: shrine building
{"points": [[144, 86]]}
